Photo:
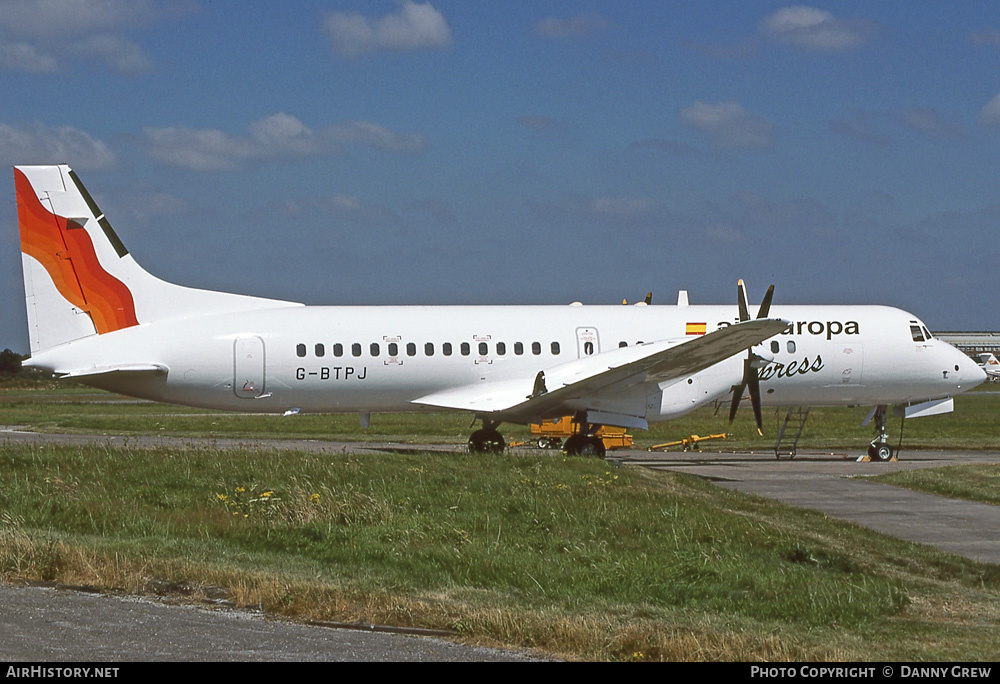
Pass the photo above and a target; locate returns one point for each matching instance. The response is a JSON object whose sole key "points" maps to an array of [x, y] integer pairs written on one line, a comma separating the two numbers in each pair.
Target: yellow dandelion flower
{"points": [[266, 494], [314, 498]]}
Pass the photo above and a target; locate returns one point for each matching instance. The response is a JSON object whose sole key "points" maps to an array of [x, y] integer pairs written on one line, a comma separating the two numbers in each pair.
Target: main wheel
{"points": [[486, 442], [584, 445], [593, 447], [573, 444]]}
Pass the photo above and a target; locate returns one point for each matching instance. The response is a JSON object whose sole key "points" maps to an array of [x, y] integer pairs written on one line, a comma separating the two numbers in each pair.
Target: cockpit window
{"points": [[927, 333], [916, 333]]}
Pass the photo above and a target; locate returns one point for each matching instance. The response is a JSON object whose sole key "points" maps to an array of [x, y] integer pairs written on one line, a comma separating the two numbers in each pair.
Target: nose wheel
{"points": [[879, 449]]}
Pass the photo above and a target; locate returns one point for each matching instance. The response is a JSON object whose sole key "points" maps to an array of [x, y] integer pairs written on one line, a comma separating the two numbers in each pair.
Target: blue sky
{"points": [[523, 152]]}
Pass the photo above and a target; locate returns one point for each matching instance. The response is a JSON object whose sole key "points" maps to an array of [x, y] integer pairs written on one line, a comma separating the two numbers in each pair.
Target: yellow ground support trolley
{"points": [[551, 433]]}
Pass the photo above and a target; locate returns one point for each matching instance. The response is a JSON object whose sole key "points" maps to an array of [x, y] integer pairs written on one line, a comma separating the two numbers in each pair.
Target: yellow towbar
{"points": [[688, 442]]}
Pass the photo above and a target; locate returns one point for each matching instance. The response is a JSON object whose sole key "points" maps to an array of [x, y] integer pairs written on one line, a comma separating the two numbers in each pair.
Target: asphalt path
{"points": [[41, 624], [840, 486]]}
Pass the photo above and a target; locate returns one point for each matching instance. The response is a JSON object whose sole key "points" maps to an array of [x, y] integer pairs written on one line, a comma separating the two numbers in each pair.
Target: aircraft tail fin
{"points": [[79, 279], [990, 364]]}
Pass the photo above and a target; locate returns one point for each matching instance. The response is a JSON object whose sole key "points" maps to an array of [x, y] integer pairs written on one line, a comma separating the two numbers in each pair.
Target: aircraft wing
{"points": [[526, 399]]}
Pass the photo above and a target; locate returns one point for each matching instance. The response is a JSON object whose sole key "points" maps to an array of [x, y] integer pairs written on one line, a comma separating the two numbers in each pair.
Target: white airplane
{"points": [[988, 362], [97, 317]]}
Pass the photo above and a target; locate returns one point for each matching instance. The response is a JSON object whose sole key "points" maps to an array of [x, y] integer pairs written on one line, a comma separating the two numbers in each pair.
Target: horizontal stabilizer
{"points": [[127, 368]]}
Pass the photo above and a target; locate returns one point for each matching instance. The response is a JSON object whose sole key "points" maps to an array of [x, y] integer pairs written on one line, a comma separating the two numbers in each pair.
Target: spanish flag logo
{"points": [[695, 329]]}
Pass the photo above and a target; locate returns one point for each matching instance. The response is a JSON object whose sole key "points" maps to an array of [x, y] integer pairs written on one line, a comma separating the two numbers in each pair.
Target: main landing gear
{"points": [[585, 441], [487, 440], [880, 449]]}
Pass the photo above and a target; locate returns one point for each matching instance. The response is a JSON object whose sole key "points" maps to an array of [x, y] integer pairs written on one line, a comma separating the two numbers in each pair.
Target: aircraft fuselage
{"points": [[348, 359]]}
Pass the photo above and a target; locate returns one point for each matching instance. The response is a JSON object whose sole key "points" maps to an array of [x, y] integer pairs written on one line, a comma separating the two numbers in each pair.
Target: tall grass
{"points": [[569, 555]]}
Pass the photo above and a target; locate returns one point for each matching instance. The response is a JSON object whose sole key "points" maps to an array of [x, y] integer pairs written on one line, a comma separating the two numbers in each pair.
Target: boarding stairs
{"points": [[794, 414]]}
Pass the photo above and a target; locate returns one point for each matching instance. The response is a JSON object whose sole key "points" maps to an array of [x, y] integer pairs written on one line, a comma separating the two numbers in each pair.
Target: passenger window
{"points": [[356, 349], [393, 349], [465, 349], [446, 348], [429, 349], [555, 349], [483, 349], [623, 343], [320, 350], [588, 348], [373, 349], [536, 348], [501, 348], [300, 350], [518, 348], [775, 347], [411, 349], [338, 349], [791, 346]]}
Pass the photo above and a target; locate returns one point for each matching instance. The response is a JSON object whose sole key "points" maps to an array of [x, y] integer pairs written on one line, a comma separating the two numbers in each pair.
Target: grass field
{"points": [[971, 426], [565, 555]]}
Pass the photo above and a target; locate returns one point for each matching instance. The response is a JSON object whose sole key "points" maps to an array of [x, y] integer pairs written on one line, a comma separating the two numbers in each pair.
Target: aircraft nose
{"points": [[962, 370]]}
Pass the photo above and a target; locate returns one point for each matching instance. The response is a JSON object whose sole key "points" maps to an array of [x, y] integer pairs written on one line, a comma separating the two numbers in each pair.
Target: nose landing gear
{"points": [[879, 449]]}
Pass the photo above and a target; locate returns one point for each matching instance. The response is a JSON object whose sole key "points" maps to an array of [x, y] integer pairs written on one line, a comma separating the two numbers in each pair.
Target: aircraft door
{"points": [[248, 364], [587, 342]]}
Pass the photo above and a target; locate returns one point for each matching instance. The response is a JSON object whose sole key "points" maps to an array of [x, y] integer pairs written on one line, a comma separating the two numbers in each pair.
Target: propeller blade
{"points": [[754, 385], [737, 396], [751, 379], [765, 305], [741, 299]]}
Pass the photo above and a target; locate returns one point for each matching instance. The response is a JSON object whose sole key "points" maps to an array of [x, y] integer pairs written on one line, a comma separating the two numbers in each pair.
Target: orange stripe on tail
{"points": [[66, 251]]}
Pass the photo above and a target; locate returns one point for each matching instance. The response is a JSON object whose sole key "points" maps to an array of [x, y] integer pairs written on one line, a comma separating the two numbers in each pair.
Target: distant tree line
{"points": [[13, 375], [10, 362]]}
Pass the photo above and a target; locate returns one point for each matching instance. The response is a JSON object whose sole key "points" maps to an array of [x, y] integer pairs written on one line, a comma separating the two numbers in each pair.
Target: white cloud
{"points": [[818, 30], [26, 57], [57, 19], [368, 134], [578, 27], [412, 27], [866, 128], [728, 126], [38, 144], [39, 36], [990, 114], [279, 136], [929, 122], [120, 54]]}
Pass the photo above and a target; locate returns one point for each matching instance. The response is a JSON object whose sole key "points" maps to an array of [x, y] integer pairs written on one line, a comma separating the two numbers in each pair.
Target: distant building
{"points": [[973, 343]]}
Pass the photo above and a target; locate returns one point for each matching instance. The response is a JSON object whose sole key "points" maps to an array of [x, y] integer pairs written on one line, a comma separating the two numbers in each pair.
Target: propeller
{"points": [[750, 378]]}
